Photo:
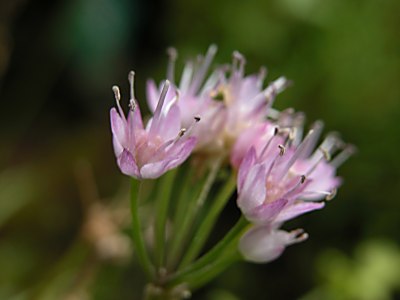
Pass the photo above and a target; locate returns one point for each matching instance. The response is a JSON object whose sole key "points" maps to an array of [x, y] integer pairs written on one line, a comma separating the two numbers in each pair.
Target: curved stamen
{"points": [[117, 95], [186, 77], [172, 54], [348, 151], [238, 63], [294, 189], [201, 73], [298, 235], [158, 111], [309, 139], [263, 151], [262, 74]]}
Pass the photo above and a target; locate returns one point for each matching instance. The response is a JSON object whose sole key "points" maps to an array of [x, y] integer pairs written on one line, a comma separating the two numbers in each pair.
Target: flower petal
{"points": [[119, 127], [261, 244], [127, 164], [266, 212], [245, 165], [172, 159], [297, 209], [253, 192]]}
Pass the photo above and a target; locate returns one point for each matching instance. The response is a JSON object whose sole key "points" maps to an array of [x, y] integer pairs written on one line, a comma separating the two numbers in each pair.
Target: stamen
{"points": [[326, 154], [201, 73], [186, 77], [117, 95], [261, 76], [275, 88], [331, 195], [311, 144], [173, 54], [131, 78], [298, 153], [132, 105], [343, 156], [181, 132], [298, 236], [238, 63], [161, 100], [160, 104], [295, 187], [276, 130], [328, 195], [196, 119], [282, 150]]}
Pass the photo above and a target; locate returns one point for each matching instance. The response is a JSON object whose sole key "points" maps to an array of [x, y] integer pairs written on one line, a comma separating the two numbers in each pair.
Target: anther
{"points": [[276, 130], [182, 132], [238, 56], [131, 79], [299, 235], [172, 53], [197, 118], [325, 153], [303, 179], [117, 93], [331, 195], [132, 105], [292, 133], [282, 150]]}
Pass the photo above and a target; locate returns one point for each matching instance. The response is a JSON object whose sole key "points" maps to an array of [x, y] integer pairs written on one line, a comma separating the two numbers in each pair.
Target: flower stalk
{"points": [[137, 232]]}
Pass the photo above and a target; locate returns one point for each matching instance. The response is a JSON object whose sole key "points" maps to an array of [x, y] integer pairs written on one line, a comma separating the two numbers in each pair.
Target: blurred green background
{"points": [[58, 61]]}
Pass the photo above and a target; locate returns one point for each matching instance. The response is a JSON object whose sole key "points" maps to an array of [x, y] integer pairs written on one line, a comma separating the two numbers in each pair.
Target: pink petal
{"points": [[127, 164], [247, 162], [119, 128], [244, 142], [261, 244], [266, 212], [152, 94], [137, 122], [170, 124], [297, 209], [172, 159], [253, 192]]}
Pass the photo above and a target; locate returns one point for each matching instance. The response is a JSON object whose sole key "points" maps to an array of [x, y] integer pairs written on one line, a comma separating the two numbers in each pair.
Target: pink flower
{"points": [[194, 98], [280, 178], [262, 244], [149, 152], [228, 101]]}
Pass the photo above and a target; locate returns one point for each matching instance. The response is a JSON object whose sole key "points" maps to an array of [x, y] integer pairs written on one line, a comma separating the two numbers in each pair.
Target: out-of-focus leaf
{"points": [[18, 186]]}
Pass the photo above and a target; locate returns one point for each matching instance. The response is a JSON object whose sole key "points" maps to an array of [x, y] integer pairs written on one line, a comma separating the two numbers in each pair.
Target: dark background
{"points": [[58, 61]]}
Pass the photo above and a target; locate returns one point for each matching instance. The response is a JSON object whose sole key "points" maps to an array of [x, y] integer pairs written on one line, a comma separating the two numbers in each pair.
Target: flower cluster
{"points": [[280, 173]]}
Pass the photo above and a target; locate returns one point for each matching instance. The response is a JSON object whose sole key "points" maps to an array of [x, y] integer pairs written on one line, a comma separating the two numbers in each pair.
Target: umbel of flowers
{"points": [[217, 130]]}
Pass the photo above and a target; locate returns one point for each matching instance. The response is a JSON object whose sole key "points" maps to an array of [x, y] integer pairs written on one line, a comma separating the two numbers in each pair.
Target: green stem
{"points": [[209, 221], [181, 232], [205, 275], [213, 255], [138, 240], [162, 204]]}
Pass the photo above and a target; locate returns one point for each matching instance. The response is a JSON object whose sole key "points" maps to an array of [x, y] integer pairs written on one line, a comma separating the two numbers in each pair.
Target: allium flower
{"points": [[281, 178], [194, 97], [262, 244], [149, 152], [228, 101]]}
